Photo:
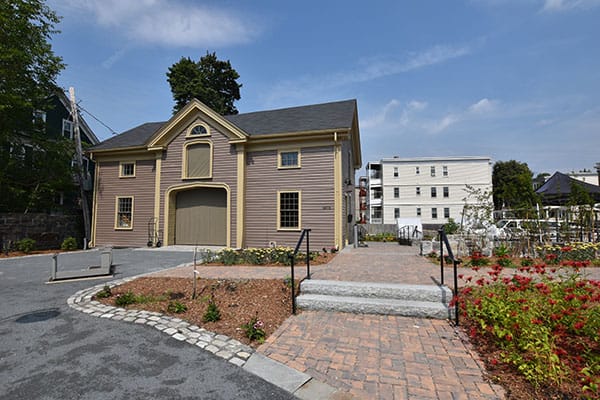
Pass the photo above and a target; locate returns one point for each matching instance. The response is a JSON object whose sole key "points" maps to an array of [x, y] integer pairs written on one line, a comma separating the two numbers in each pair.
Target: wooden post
{"points": [[79, 173]]}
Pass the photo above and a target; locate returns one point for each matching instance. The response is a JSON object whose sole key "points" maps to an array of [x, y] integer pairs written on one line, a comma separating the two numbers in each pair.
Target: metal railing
{"points": [[305, 233], [455, 262]]}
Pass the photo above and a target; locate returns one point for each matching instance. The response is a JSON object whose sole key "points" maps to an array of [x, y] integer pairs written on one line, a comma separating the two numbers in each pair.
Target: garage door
{"points": [[201, 217]]}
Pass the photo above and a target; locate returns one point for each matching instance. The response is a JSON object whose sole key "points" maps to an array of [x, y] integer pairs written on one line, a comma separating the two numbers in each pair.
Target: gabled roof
{"points": [[557, 189], [93, 139], [318, 117]]}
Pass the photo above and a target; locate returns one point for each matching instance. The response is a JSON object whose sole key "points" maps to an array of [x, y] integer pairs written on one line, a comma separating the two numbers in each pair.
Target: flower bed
{"points": [[261, 256], [543, 329]]}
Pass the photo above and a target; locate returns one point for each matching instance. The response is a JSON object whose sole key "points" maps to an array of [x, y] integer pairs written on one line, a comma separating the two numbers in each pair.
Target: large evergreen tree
{"points": [[210, 80], [513, 186], [32, 167]]}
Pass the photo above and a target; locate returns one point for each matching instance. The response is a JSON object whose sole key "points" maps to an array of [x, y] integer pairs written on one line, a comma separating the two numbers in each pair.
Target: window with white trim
{"points": [[445, 170], [417, 170], [396, 172], [396, 193], [127, 169], [418, 211], [124, 213], [67, 128], [288, 207], [433, 192], [418, 190], [446, 191], [396, 213], [434, 213], [288, 159], [432, 170], [446, 212]]}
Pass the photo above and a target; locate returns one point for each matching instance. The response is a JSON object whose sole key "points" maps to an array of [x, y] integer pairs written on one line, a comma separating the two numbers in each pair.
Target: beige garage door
{"points": [[201, 217]]}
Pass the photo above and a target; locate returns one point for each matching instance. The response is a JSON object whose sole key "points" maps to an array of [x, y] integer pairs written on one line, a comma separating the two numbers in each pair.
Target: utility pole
{"points": [[79, 173]]}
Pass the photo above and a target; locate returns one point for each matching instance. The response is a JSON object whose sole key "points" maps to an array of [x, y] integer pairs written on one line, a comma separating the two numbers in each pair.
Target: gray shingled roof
{"points": [[326, 116]]}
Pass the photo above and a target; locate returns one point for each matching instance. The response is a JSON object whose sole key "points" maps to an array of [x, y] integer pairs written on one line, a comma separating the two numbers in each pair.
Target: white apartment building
{"points": [[431, 188]]}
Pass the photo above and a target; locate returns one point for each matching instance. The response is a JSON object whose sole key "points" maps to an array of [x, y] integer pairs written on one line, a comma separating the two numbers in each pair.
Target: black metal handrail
{"points": [[305, 232], [455, 262]]}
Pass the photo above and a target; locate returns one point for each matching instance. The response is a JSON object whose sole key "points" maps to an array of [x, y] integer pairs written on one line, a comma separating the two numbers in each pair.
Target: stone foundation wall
{"points": [[47, 230]]}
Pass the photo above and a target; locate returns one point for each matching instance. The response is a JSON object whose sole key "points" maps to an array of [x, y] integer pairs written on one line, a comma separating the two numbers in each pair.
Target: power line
{"points": [[97, 119]]}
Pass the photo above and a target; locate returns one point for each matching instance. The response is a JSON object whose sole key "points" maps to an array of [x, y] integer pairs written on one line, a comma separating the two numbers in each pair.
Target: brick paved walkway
{"points": [[381, 357], [369, 356]]}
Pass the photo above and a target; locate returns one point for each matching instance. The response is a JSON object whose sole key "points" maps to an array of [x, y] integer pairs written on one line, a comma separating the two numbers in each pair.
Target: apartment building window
{"points": [[417, 171], [446, 191], [395, 172], [396, 213], [432, 171], [418, 211], [433, 192], [445, 170], [418, 190], [396, 193], [434, 213], [446, 212]]}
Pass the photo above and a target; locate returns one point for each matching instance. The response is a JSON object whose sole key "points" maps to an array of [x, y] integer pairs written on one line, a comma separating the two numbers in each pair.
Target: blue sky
{"points": [[510, 79]]}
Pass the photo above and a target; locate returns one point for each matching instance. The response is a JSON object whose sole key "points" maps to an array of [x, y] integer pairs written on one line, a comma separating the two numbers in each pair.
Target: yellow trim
{"points": [[157, 188], [170, 204], [138, 155], [185, 112], [189, 134], [300, 134], [121, 163], [95, 204], [184, 171], [337, 193], [117, 227], [241, 196], [292, 150], [299, 228]]}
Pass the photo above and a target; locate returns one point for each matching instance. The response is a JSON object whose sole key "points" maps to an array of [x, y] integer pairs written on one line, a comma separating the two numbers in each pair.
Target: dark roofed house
{"points": [[245, 180], [557, 189]]}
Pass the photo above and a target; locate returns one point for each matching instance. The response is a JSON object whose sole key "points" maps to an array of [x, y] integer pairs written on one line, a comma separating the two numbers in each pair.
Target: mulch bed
{"points": [[238, 301]]}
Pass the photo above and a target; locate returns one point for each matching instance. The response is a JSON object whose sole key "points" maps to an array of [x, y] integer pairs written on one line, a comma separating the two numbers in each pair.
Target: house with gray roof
{"points": [[245, 180]]}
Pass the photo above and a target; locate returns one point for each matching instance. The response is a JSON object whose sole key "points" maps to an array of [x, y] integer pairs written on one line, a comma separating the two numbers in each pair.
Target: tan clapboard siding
{"points": [[315, 182], [224, 171], [110, 186]]}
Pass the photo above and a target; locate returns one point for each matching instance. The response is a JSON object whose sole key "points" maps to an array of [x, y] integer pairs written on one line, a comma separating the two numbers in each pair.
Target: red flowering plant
{"points": [[547, 327], [478, 259]]}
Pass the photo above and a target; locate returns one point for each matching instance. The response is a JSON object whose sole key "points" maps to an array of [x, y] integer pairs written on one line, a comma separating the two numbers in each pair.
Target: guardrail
{"points": [[455, 262], [305, 233]]}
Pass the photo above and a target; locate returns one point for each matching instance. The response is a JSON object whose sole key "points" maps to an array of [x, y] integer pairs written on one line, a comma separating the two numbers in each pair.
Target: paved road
{"points": [[50, 351]]}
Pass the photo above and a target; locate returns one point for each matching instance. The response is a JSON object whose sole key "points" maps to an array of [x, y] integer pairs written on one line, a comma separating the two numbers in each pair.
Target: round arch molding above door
{"points": [[200, 216]]}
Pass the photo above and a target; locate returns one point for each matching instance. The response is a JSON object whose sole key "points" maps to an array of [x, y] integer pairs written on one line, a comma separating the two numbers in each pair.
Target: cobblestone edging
{"points": [[222, 346]]}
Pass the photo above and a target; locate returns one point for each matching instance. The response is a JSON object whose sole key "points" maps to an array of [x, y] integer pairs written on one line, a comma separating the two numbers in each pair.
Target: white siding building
{"points": [[432, 188]]}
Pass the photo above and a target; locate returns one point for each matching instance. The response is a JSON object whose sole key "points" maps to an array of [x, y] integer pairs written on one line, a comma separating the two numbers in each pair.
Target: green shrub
{"points": [[176, 307], [212, 313], [125, 299], [26, 245], [104, 293], [69, 244], [228, 256], [451, 227], [254, 330]]}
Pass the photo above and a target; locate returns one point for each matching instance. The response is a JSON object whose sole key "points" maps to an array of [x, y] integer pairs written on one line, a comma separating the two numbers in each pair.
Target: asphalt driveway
{"points": [[50, 351]]}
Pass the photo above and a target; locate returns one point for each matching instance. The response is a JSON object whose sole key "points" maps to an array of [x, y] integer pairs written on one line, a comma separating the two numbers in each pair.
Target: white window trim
{"points": [[189, 133], [121, 228], [62, 132], [280, 166], [279, 227], [121, 164], [184, 172]]}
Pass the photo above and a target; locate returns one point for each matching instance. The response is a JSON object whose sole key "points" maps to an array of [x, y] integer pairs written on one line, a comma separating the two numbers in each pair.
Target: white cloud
{"points": [[483, 106], [391, 118], [434, 127], [170, 23], [567, 5]]}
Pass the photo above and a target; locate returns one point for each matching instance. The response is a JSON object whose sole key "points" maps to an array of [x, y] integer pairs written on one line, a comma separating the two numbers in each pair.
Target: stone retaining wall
{"points": [[47, 230]]}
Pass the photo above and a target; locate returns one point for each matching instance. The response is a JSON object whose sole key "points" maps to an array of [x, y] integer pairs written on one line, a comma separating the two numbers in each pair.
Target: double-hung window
{"points": [[446, 191], [124, 213], [396, 193], [127, 169], [67, 129], [288, 209], [433, 192]]}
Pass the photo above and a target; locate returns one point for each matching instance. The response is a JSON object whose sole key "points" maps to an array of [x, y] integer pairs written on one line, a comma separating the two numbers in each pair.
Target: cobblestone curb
{"points": [[222, 346]]}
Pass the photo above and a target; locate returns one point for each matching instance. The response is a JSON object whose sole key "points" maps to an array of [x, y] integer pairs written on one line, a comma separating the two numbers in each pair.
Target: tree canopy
{"points": [[210, 80], [513, 185], [32, 167]]}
